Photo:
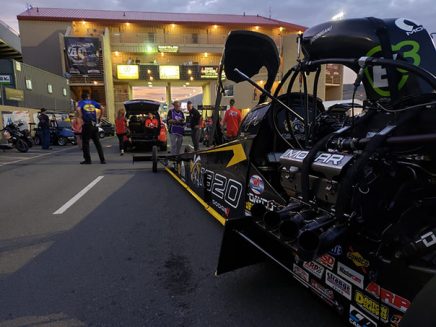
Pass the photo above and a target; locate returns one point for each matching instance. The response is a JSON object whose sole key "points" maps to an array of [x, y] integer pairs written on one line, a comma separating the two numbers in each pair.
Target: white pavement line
{"points": [[75, 198], [37, 156]]}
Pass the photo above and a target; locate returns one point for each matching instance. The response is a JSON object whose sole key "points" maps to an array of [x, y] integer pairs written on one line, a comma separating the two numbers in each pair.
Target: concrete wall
{"points": [[40, 44]]}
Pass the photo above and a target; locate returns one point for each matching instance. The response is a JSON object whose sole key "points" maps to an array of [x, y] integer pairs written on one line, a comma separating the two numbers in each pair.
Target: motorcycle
{"points": [[14, 138]]}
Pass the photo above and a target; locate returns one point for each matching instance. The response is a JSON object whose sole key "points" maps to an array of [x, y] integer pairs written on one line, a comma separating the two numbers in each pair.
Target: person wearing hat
{"points": [[44, 127], [176, 123], [195, 122]]}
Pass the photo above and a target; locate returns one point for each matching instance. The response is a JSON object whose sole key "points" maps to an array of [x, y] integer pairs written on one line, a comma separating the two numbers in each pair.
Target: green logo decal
{"points": [[411, 51]]}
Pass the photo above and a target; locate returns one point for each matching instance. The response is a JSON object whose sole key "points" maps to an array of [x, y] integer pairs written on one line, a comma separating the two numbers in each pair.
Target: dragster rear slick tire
{"points": [[154, 158]]}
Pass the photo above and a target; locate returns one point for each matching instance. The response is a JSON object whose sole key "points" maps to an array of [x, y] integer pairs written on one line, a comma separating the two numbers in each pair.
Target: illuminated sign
{"points": [[14, 94], [127, 72], [5, 79], [168, 48], [209, 72], [169, 72]]}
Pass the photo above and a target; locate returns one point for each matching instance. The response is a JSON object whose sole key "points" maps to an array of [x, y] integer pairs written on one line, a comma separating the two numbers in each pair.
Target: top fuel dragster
{"points": [[345, 202]]}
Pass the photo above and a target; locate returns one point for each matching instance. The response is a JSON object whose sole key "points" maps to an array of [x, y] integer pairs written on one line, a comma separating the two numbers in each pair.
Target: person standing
{"points": [[76, 125], [88, 112], [44, 127], [195, 122], [232, 120], [151, 121], [121, 128], [176, 122]]}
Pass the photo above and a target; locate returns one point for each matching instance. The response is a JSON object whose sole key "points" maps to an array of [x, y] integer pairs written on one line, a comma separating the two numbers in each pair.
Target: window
{"points": [[28, 84], [50, 88], [64, 92], [151, 37], [195, 38]]}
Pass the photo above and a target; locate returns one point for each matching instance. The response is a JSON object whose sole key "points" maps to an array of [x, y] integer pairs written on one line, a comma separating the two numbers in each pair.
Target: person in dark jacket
{"points": [[195, 122], [90, 111], [44, 127]]}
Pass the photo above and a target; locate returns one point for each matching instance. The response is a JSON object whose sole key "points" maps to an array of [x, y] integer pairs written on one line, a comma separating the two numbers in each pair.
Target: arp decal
{"points": [[338, 284], [387, 297], [314, 268], [327, 261], [256, 184], [371, 306], [350, 275], [359, 319], [301, 275]]}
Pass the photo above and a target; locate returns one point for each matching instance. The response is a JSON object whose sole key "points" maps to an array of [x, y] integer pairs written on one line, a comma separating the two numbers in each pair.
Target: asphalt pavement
{"points": [[134, 250]]}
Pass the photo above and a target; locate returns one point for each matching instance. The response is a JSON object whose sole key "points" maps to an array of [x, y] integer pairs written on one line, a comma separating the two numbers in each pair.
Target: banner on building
{"points": [[82, 55]]}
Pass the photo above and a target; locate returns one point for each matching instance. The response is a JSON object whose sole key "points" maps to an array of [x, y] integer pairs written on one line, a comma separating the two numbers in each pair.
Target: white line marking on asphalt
{"points": [[33, 157], [75, 198]]}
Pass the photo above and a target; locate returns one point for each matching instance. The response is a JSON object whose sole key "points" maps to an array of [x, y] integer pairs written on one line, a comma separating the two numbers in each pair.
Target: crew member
{"points": [[151, 121], [44, 127], [195, 122], [90, 111], [232, 120]]}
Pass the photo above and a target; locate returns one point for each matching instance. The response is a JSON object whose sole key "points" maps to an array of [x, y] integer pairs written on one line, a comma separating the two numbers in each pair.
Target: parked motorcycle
{"points": [[13, 137]]}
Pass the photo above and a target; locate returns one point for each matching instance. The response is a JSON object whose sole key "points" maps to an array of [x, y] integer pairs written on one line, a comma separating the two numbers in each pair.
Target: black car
{"points": [[140, 136]]}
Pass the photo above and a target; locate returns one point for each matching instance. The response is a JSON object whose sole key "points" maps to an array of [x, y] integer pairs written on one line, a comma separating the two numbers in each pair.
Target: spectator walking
{"points": [[44, 127], [195, 123], [232, 120], [121, 129], [76, 125], [88, 112], [176, 123]]}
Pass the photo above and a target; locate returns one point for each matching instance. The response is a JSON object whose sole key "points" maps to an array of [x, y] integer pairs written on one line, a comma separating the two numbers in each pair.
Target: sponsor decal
{"points": [[395, 320], [256, 184], [336, 251], [183, 172], [377, 75], [327, 261], [196, 177], [357, 259], [338, 284], [409, 26], [359, 319], [320, 34], [314, 268], [270, 205], [300, 274], [321, 290], [387, 297], [350, 275], [371, 306], [221, 208], [428, 239], [330, 159]]}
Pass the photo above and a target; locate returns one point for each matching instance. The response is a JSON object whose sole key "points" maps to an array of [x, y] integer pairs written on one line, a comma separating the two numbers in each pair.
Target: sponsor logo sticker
{"points": [[314, 268], [395, 320], [327, 261], [357, 259], [256, 184], [359, 319], [300, 274], [387, 297], [338, 284], [336, 251], [350, 275], [221, 208], [371, 306], [322, 290]]}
